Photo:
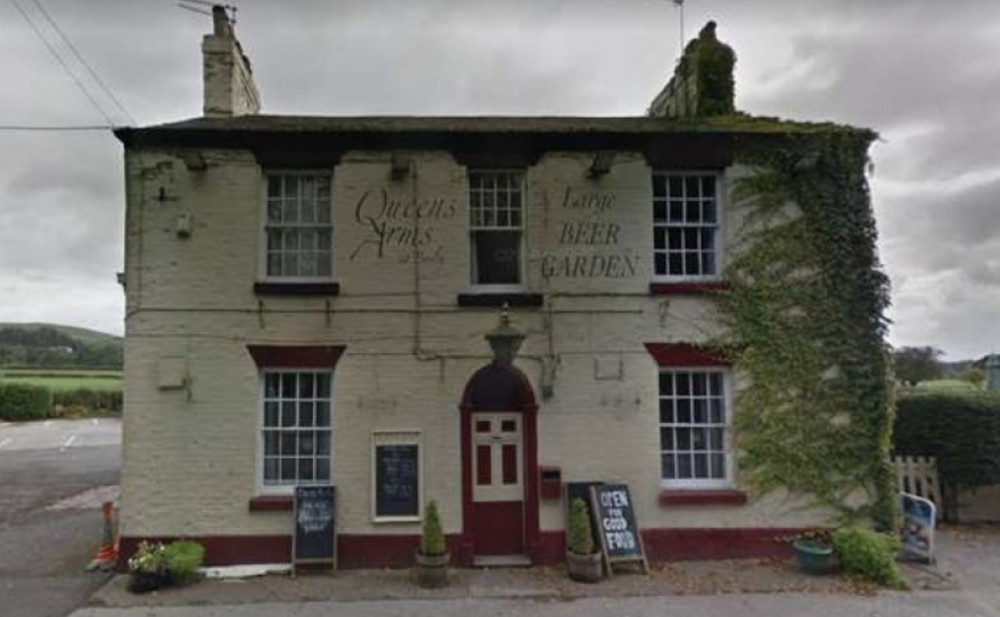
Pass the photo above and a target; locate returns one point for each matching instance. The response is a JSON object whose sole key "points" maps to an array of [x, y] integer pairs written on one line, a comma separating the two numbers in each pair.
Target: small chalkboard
{"points": [[315, 514], [397, 477], [618, 530]]}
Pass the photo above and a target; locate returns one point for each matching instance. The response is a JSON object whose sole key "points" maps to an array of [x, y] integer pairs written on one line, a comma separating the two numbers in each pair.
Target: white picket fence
{"points": [[918, 475]]}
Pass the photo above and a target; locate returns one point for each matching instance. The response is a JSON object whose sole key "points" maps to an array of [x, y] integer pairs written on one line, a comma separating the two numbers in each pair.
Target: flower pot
{"points": [[584, 568], [144, 582], [432, 570], [814, 557]]}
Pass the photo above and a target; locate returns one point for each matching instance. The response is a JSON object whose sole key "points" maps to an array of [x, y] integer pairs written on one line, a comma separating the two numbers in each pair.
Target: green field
{"points": [[938, 385], [70, 379]]}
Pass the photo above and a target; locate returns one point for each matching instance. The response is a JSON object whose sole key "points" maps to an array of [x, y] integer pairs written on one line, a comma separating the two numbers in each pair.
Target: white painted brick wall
{"points": [[190, 458]]}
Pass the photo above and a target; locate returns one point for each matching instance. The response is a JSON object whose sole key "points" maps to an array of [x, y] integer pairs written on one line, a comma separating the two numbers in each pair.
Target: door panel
{"points": [[498, 486]]}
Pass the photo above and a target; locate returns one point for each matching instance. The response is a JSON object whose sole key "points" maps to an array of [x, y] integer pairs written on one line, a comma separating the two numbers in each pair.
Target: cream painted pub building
{"points": [[308, 300]]}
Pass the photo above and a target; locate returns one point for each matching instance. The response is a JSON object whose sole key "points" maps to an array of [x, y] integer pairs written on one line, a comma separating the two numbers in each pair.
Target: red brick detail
{"points": [[296, 356], [684, 354], [687, 289], [718, 543], [702, 497], [548, 548], [271, 503]]}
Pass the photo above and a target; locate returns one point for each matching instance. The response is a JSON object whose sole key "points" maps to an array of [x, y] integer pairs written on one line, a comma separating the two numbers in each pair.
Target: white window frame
{"points": [[287, 489], [402, 437], [720, 205], [262, 252], [700, 483], [474, 285]]}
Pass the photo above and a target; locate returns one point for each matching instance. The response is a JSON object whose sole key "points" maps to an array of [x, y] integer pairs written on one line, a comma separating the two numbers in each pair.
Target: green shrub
{"points": [[432, 541], [23, 402], [83, 402], [869, 555], [959, 428], [581, 538], [183, 558]]}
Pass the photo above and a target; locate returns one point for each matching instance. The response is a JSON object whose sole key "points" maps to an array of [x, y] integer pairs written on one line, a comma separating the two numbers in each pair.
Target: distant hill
{"points": [[58, 346]]}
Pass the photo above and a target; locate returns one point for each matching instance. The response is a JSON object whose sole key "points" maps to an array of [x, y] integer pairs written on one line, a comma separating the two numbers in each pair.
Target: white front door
{"points": [[498, 473]]}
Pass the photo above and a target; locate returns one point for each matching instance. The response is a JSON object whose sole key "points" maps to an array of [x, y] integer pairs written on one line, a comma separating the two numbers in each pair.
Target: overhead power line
{"points": [[85, 64], [62, 62], [25, 127]]}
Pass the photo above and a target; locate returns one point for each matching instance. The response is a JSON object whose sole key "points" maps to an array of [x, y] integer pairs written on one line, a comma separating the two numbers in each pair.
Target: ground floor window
{"points": [[296, 428], [694, 427], [396, 482]]}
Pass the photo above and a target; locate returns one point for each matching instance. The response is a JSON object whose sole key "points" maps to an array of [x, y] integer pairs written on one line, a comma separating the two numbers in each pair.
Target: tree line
{"points": [[48, 347]]}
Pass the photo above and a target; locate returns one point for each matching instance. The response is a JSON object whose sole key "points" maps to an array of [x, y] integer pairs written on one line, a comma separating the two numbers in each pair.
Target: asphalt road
{"points": [[53, 476]]}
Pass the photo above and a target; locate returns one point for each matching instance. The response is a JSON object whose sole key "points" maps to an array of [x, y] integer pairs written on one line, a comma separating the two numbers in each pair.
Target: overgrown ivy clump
{"points": [[806, 326]]}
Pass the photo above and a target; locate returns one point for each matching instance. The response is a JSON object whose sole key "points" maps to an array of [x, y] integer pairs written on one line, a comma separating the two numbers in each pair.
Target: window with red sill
{"points": [[694, 421]]}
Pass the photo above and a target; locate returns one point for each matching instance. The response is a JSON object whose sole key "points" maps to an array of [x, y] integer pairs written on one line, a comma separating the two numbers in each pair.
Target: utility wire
{"points": [[85, 64], [55, 54], [92, 127]]}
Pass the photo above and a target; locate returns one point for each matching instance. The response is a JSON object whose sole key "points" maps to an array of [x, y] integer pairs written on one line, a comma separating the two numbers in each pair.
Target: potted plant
{"points": [[814, 552], [148, 568], [432, 556], [183, 558], [582, 562]]}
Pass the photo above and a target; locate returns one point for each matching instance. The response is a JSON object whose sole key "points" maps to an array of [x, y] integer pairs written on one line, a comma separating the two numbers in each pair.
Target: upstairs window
{"points": [[497, 225], [299, 226], [685, 225]]}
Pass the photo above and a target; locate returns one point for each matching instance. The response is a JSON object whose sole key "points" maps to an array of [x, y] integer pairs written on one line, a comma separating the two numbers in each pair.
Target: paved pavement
{"points": [[50, 522]]}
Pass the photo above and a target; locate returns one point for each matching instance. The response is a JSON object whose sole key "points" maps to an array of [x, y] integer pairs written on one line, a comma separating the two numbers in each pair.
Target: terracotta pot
{"points": [[432, 570], [584, 568]]}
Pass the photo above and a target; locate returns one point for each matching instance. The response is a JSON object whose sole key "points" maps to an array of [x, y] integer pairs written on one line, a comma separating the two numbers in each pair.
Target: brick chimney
{"points": [[702, 84], [229, 87]]}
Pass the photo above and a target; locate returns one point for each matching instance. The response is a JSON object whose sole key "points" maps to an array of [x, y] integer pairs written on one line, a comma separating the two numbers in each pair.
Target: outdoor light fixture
{"points": [[602, 164], [505, 340]]}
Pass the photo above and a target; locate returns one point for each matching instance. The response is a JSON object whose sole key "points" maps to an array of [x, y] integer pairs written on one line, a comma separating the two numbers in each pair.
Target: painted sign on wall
{"points": [[401, 228]]}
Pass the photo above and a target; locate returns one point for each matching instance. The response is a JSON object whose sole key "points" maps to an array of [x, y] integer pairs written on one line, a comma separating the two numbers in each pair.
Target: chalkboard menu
{"points": [[315, 537], [619, 531], [397, 480]]}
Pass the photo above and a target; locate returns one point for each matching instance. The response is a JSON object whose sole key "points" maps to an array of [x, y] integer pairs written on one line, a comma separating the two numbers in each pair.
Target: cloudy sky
{"points": [[925, 75]]}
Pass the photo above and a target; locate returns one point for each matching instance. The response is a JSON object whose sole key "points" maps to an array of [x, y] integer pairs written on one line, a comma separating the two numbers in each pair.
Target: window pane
{"points": [[715, 415], [683, 439], [322, 413], [692, 187], [306, 385], [497, 255], [323, 385], [288, 469], [306, 414], [667, 466], [708, 211], [666, 410], [698, 384], [699, 410], [288, 385], [675, 213], [699, 441], [271, 443], [692, 264], [666, 438], [305, 469], [659, 237], [715, 436], [715, 383], [288, 443], [676, 188], [273, 186], [271, 383], [288, 414], [270, 469], [676, 264], [659, 186], [659, 211], [323, 469], [708, 186], [660, 260], [323, 443], [692, 212], [684, 466], [271, 413], [683, 381], [274, 212], [684, 410], [666, 384], [307, 441], [700, 466]]}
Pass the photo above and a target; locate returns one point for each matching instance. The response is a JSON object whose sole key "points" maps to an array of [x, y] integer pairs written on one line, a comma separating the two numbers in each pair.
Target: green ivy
{"points": [[806, 326]]}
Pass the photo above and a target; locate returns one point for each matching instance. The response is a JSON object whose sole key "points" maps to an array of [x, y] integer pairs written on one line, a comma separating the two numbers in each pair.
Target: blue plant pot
{"points": [[814, 557]]}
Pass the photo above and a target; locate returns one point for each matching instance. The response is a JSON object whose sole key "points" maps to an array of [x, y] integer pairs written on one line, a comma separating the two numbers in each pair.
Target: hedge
{"points": [[23, 402], [108, 400], [961, 430]]}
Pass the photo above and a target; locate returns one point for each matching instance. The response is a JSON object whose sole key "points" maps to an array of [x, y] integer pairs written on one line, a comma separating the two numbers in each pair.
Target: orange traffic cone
{"points": [[107, 554]]}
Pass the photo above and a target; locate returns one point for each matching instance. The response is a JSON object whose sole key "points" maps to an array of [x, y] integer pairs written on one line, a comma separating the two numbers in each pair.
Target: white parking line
{"points": [[93, 421], [46, 423], [6, 441], [69, 441]]}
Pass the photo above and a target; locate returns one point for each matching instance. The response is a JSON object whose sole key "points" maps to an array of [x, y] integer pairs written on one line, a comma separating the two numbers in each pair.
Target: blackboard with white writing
{"points": [[397, 477], [619, 532], [315, 537]]}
